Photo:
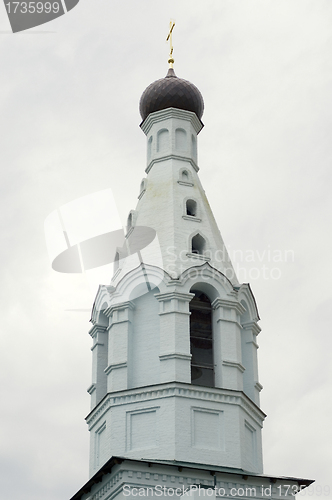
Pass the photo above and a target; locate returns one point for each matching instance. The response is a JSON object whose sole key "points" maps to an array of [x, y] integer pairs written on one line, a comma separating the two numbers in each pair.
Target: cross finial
{"points": [[169, 37]]}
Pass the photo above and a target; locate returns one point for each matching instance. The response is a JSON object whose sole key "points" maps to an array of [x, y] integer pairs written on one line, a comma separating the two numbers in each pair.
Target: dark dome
{"points": [[171, 92]]}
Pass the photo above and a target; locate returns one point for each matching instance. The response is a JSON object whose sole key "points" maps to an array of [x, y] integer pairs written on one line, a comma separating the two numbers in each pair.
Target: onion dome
{"points": [[171, 92]]}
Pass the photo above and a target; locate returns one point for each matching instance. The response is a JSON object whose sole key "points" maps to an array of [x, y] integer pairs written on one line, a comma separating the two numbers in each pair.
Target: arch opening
{"points": [[201, 340], [191, 208]]}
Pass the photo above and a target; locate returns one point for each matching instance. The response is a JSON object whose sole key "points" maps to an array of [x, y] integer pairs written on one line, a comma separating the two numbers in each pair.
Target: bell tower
{"points": [[175, 388]]}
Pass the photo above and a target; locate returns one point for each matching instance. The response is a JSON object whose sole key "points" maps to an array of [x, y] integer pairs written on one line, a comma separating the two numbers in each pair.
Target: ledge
{"points": [[192, 218], [175, 389], [198, 256], [115, 366], [187, 159]]}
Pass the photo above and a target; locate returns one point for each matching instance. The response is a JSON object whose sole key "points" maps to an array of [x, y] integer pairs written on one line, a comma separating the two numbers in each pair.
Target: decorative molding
{"points": [[233, 321], [258, 386], [175, 389], [187, 159], [252, 325], [233, 364], [174, 476], [91, 389], [116, 274], [174, 298], [115, 366], [141, 194], [97, 329], [174, 311], [119, 307], [95, 345], [186, 297], [198, 256], [189, 184], [175, 355], [164, 114], [192, 218], [218, 302]]}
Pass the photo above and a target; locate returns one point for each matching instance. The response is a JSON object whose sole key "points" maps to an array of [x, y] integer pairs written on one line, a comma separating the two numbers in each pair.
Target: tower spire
{"points": [[169, 38]]}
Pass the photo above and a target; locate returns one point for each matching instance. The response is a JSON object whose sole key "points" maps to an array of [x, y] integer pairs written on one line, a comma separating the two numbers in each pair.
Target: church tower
{"points": [[175, 390]]}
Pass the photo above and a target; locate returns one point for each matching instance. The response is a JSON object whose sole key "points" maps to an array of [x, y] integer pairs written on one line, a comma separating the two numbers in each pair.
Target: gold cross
{"points": [[169, 37]]}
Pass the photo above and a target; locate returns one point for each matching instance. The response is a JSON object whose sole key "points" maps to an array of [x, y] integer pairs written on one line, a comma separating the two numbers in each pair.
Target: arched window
{"points": [[198, 244], [201, 340], [191, 208]]}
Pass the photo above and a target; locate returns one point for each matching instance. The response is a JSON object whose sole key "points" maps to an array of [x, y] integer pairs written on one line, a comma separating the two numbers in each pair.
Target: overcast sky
{"points": [[69, 93]]}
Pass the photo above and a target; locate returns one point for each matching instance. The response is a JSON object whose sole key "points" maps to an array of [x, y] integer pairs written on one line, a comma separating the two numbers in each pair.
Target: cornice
{"points": [[174, 295], [218, 302], [175, 389], [252, 325], [187, 159], [191, 217], [234, 364], [115, 366], [165, 114], [175, 355], [97, 329], [118, 307]]}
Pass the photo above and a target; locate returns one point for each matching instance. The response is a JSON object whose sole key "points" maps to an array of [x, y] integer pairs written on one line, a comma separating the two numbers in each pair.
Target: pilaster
{"points": [[120, 322], [98, 388], [227, 344], [251, 386], [174, 354]]}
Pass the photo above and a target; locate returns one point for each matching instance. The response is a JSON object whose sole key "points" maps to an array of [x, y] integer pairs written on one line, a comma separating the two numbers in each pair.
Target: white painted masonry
{"points": [[143, 398], [154, 429]]}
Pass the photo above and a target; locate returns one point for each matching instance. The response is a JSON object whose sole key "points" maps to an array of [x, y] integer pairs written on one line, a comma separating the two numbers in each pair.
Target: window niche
{"points": [[185, 178], [198, 244], [180, 139], [201, 340], [162, 140]]}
